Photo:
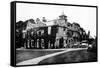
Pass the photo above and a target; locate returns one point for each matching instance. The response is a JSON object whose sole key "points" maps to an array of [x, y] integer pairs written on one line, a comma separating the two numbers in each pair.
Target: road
{"points": [[36, 60]]}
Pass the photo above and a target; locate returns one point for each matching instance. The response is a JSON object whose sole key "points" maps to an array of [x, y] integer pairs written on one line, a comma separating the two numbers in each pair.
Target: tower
{"points": [[63, 16]]}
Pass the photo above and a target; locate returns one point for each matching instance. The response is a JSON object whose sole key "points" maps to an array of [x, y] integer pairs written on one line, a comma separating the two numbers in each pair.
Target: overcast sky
{"points": [[85, 16]]}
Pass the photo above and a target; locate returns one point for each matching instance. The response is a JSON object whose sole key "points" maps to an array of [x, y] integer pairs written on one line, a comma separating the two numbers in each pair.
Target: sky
{"points": [[85, 16]]}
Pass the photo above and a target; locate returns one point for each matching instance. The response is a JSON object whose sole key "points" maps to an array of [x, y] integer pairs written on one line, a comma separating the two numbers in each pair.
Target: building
{"points": [[61, 34]]}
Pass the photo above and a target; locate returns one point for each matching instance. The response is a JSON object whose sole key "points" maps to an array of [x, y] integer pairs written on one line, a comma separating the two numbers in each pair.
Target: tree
{"points": [[20, 26]]}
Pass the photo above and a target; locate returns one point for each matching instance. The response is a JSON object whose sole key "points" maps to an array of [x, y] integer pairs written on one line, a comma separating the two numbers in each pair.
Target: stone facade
{"points": [[61, 34]]}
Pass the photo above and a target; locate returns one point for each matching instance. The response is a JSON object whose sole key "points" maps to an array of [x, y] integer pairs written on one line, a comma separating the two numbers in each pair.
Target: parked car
{"points": [[84, 44]]}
